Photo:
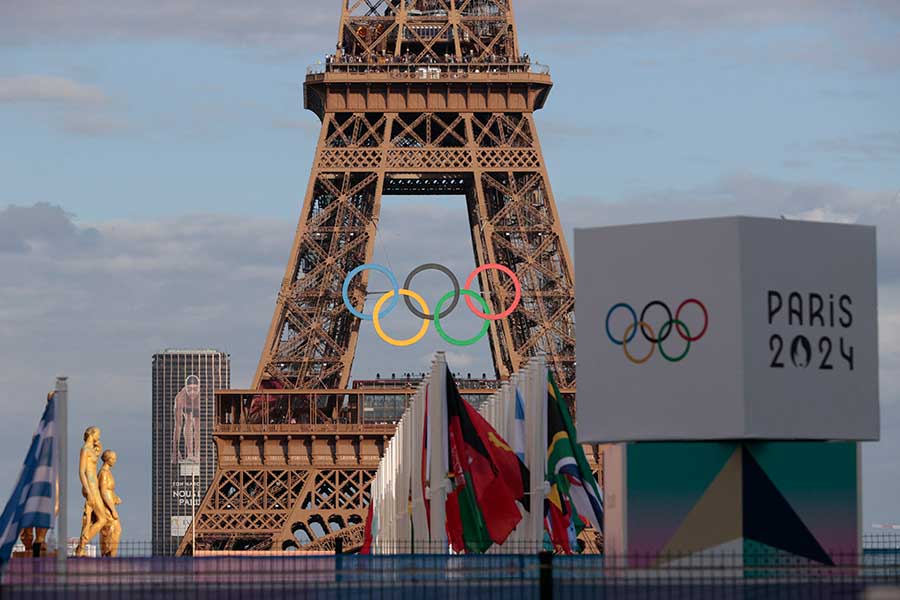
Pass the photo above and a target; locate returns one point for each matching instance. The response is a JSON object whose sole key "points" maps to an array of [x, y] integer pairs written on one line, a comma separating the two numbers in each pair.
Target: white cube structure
{"points": [[727, 329]]}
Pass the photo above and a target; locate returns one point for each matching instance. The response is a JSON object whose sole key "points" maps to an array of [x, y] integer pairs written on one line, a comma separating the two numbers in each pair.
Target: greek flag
{"points": [[33, 500]]}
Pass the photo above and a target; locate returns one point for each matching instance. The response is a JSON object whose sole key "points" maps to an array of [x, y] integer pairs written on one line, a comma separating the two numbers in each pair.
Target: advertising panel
{"points": [[733, 328]]}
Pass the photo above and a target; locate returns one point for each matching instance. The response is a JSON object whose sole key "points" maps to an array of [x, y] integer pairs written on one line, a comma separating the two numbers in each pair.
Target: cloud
{"points": [[95, 124], [95, 300], [881, 147], [747, 194], [42, 228], [273, 24], [289, 27], [45, 88], [73, 107], [615, 16]]}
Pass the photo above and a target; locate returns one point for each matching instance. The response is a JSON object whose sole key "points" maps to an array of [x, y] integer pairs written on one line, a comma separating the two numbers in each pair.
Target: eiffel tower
{"points": [[420, 97]]}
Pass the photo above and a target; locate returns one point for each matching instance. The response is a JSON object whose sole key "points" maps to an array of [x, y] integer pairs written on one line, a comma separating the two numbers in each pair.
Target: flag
{"points": [[489, 480], [368, 535], [426, 464], [560, 522], [574, 499], [519, 428], [33, 501]]}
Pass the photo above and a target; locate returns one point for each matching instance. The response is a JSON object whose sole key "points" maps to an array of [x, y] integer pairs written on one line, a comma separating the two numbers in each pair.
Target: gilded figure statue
{"points": [[95, 516], [112, 532]]}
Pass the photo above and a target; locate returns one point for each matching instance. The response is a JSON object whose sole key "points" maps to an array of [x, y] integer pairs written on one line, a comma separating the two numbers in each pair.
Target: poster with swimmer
{"points": [[186, 431]]}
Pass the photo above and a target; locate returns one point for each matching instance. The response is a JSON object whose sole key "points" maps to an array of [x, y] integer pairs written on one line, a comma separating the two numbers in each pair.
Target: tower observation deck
{"points": [[423, 97]]}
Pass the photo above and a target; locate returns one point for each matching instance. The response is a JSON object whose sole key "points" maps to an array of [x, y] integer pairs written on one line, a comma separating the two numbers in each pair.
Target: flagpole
{"points": [[62, 440], [538, 445], [437, 440]]}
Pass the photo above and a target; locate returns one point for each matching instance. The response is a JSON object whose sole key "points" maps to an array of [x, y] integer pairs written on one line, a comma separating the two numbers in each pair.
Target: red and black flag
{"points": [[489, 480]]}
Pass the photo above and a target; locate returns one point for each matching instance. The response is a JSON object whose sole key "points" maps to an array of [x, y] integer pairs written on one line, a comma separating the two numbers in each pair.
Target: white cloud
{"points": [[46, 88], [74, 107], [95, 124], [824, 214]]}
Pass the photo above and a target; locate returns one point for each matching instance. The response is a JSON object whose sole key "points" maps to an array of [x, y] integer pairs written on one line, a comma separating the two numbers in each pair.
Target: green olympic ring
{"points": [[664, 332], [440, 329]]}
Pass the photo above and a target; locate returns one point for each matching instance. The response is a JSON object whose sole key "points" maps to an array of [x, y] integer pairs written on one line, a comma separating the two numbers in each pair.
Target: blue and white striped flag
{"points": [[33, 500]]}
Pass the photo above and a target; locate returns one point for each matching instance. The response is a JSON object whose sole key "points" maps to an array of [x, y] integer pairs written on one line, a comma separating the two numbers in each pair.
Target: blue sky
{"points": [[188, 125], [154, 155]]}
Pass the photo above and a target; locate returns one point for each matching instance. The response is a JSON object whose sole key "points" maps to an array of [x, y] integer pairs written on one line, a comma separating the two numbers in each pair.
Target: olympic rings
{"points": [[516, 284], [437, 320], [671, 323], [389, 339], [440, 313], [395, 289]]}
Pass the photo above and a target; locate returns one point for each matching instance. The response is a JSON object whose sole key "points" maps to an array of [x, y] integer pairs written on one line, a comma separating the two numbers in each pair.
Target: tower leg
{"points": [[312, 337], [514, 222]]}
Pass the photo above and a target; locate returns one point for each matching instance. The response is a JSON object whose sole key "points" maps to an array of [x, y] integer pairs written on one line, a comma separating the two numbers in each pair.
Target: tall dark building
{"points": [[184, 455]]}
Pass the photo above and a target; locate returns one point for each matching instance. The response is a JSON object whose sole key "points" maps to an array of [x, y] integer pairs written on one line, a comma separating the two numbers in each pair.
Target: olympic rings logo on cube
{"points": [[409, 296], [656, 340]]}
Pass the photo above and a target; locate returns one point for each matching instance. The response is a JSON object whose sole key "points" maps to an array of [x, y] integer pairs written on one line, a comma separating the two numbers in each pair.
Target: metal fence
{"points": [[873, 573]]}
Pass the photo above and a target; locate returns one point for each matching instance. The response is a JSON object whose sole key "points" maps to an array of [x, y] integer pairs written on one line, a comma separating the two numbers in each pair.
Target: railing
{"points": [[873, 544], [427, 71], [393, 383], [438, 575], [316, 411]]}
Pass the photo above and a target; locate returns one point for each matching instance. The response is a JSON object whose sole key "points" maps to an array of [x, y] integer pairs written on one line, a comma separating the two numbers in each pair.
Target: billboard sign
{"points": [[733, 328]]}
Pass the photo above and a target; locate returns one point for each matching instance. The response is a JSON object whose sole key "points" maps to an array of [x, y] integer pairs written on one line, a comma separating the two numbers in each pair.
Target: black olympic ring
{"points": [[643, 328], [432, 267]]}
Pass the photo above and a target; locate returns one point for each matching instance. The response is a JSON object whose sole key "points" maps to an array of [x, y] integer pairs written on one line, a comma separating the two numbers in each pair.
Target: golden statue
{"points": [[33, 540], [112, 532], [95, 516]]}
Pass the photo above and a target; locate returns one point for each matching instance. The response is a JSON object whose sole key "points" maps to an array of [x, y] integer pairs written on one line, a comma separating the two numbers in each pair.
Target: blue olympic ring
{"points": [[633, 318], [346, 289]]}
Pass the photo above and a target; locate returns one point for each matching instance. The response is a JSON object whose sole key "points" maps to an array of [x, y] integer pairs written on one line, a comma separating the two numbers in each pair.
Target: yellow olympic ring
{"points": [[407, 342], [637, 361]]}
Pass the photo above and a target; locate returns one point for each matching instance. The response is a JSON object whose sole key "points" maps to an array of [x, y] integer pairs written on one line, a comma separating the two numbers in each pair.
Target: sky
{"points": [[154, 157]]}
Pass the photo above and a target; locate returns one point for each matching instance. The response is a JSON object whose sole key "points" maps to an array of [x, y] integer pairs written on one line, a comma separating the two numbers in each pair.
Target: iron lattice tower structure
{"points": [[420, 97]]}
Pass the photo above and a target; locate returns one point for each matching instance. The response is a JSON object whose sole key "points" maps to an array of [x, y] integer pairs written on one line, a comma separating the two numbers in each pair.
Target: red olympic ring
{"points": [[688, 337], [516, 283]]}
